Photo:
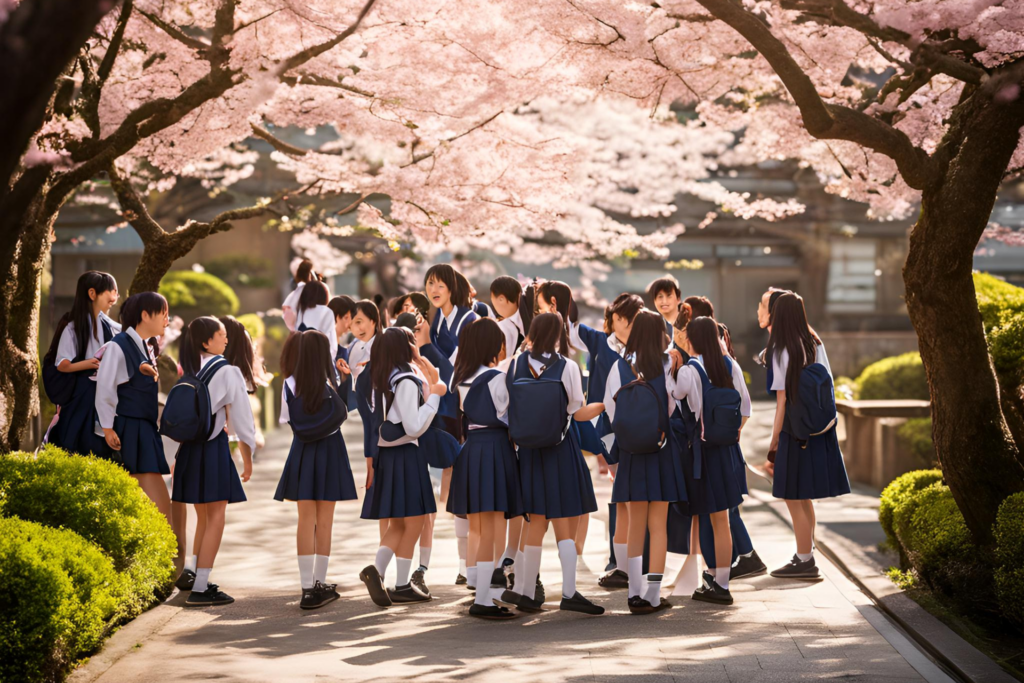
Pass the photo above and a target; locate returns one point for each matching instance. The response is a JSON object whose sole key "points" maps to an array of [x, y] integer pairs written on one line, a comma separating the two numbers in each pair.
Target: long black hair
{"points": [[392, 348], [443, 272], [81, 312], [313, 294], [240, 351], [305, 272], [566, 307], [547, 334], [480, 343], [790, 331], [626, 306], [342, 305], [703, 335], [313, 369], [527, 305], [193, 340], [646, 345]]}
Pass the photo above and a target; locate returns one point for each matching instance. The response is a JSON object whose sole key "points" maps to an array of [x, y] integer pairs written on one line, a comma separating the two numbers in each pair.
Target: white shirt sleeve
{"points": [[821, 357], [227, 388], [688, 386], [741, 386], [499, 395], [572, 380], [113, 372], [290, 306], [285, 415], [611, 387], [574, 337], [414, 418], [780, 364], [67, 349], [508, 328]]}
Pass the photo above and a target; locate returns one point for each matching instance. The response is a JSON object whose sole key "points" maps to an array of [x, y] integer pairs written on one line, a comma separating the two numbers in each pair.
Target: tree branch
{"points": [[133, 208], [300, 58], [92, 82], [276, 142], [175, 32]]}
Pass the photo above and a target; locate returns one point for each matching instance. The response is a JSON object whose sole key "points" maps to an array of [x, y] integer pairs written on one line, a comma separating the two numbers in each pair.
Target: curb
{"points": [[931, 635], [124, 642]]}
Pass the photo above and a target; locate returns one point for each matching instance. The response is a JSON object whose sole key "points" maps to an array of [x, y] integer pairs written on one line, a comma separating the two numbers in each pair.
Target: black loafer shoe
{"points": [[710, 591], [186, 580], [406, 594], [578, 603], [539, 593], [511, 579], [798, 570], [491, 612], [525, 604], [213, 595], [508, 598], [638, 605], [375, 586], [419, 580], [498, 578], [317, 596], [460, 580], [663, 605], [747, 566], [616, 578], [328, 591]]}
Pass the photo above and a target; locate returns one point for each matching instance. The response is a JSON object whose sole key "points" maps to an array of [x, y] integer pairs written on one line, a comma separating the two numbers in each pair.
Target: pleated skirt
{"points": [[589, 440], [205, 473], [485, 477], [142, 451], [75, 430], [650, 476], [817, 471], [439, 448], [318, 470], [722, 483], [556, 481], [401, 484]]}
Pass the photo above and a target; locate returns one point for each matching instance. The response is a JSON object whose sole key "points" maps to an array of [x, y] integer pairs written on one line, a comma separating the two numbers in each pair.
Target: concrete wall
{"points": [[851, 352]]}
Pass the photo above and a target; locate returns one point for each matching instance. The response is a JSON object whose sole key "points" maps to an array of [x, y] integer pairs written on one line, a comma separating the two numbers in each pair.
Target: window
{"points": [[851, 276]]}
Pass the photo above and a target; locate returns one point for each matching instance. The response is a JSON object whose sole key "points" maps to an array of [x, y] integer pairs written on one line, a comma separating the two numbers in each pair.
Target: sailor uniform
{"points": [[290, 307]]}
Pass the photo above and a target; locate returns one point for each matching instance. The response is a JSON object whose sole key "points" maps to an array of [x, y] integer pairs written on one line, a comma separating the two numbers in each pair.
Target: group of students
{"points": [[492, 401]]}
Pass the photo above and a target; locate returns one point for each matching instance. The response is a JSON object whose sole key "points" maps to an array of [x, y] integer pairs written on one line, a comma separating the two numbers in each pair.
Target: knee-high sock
{"points": [[190, 563], [425, 555], [306, 571], [567, 556], [483, 591], [621, 557], [519, 566], [688, 579], [472, 576], [320, 567], [202, 580], [462, 541], [531, 569], [635, 569], [383, 559]]}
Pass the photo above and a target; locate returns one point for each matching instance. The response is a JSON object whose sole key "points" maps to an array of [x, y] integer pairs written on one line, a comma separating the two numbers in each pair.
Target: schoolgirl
{"points": [[485, 477], [88, 329], [556, 482], [401, 489], [479, 307], [204, 473], [317, 473], [666, 297], [713, 472], [506, 293], [127, 395], [366, 323], [803, 471], [313, 314], [343, 307], [448, 292], [289, 309]]}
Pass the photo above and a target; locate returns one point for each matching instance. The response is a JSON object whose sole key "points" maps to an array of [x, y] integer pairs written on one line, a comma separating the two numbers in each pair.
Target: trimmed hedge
{"points": [[898, 492], [101, 502], [916, 436], [1009, 575], [898, 377], [200, 292], [253, 325], [997, 300], [59, 598], [1006, 344]]}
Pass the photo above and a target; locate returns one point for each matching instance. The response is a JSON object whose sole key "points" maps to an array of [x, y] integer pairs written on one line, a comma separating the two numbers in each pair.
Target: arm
{"points": [[416, 419], [285, 415], [780, 416], [66, 351], [111, 373], [588, 412]]}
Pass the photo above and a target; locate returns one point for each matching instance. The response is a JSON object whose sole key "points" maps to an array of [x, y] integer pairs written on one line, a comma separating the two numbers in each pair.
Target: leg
{"points": [[324, 512], [657, 527], [488, 523], [581, 533], [427, 539], [498, 536], [802, 527], [413, 527], [383, 524], [723, 547], [462, 542], [742, 545], [534, 539], [515, 532], [153, 486], [305, 541], [197, 541], [620, 536], [636, 535], [214, 531], [446, 484], [689, 575], [472, 549], [179, 524]]}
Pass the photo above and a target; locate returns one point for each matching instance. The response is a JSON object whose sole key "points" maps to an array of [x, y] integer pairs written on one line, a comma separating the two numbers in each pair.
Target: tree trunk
{"points": [[980, 459], [157, 259]]}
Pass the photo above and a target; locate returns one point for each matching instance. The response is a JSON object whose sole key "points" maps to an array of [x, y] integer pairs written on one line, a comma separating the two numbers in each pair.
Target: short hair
{"points": [[508, 287], [667, 284], [342, 305], [700, 306]]}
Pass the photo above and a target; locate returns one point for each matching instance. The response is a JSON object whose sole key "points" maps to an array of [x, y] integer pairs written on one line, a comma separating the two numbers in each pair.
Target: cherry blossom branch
{"points": [[276, 142], [93, 82], [300, 58], [133, 208], [175, 32]]}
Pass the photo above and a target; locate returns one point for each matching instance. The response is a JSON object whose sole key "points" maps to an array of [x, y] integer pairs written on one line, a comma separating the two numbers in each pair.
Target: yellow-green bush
{"points": [[1009, 575], [191, 294], [900, 491], [997, 300], [898, 377], [59, 597], [253, 325], [916, 435], [1006, 344]]}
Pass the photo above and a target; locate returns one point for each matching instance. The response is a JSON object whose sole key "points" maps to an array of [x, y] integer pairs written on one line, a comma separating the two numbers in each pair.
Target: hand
{"points": [[429, 371], [439, 388], [769, 467], [613, 469], [369, 473], [422, 331], [148, 370], [112, 439], [677, 360], [343, 367], [246, 470], [89, 364], [246, 453]]}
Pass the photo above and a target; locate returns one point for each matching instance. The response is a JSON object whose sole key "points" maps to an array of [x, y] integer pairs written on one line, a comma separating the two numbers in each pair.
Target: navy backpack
{"points": [[721, 409], [815, 411], [307, 427], [188, 414], [538, 406], [641, 418]]}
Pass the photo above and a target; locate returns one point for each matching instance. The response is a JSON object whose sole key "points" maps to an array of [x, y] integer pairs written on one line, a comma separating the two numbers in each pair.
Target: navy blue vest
{"points": [[479, 405], [389, 431], [448, 339], [138, 397]]}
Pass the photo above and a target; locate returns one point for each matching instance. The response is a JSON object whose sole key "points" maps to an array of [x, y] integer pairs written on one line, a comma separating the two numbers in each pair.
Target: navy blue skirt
{"points": [[75, 430], [205, 473], [556, 482], [650, 476], [722, 483], [439, 448], [817, 471], [485, 477], [318, 470], [142, 451], [401, 484], [589, 440]]}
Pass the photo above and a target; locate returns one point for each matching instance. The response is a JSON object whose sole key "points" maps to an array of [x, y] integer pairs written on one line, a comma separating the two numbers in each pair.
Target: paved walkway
{"points": [[777, 630]]}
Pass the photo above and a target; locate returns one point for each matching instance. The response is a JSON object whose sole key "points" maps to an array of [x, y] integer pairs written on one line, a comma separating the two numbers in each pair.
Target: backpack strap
{"points": [[211, 369], [697, 439], [460, 319]]}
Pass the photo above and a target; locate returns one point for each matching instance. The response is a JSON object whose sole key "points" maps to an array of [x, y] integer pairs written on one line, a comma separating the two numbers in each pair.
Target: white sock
{"points": [[621, 557], [803, 557], [425, 555], [202, 580], [483, 593], [519, 568], [635, 569], [567, 556], [383, 559], [510, 552], [190, 563], [320, 567], [403, 566], [471, 575], [530, 572], [652, 593], [688, 579], [722, 576], [306, 570]]}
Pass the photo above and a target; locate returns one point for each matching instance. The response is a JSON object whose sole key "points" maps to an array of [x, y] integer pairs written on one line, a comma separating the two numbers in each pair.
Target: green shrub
{"points": [[100, 501], [242, 270], [898, 377], [1006, 343], [897, 493], [916, 436], [846, 388], [273, 341], [254, 326], [1009, 575], [199, 293], [997, 300], [59, 598]]}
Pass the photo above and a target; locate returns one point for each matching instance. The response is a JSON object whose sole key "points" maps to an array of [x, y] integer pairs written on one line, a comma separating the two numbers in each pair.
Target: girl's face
{"points": [[438, 293], [343, 324], [621, 327], [667, 303], [218, 342], [503, 307], [548, 306], [104, 301], [362, 327], [153, 325], [763, 315]]}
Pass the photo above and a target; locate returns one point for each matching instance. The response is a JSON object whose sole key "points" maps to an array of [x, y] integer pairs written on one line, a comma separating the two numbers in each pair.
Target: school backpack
{"points": [[59, 386], [188, 413], [814, 412], [721, 416], [307, 427], [641, 418], [538, 406]]}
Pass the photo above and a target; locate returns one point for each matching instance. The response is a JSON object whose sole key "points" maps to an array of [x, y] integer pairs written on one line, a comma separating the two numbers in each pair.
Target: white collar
{"points": [[479, 371], [615, 345], [365, 344], [517, 320], [139, 342], [450, 318]]}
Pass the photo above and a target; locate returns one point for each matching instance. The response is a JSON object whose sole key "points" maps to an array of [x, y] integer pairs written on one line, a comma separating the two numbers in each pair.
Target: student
{"points": [[711, 469], [343, 307], [127, 395], [88, 328], [802, 471], [204, 473], [312, 313], [401, 488], [506, 293], [366, 323], [317, 473], [479, 307], [448, 293], [289, 309], [665, 296], [485, 478], [555, 479]]}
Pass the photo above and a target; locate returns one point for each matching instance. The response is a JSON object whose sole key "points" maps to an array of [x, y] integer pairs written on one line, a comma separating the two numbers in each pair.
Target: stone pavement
{"points": [[777, 631]]}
